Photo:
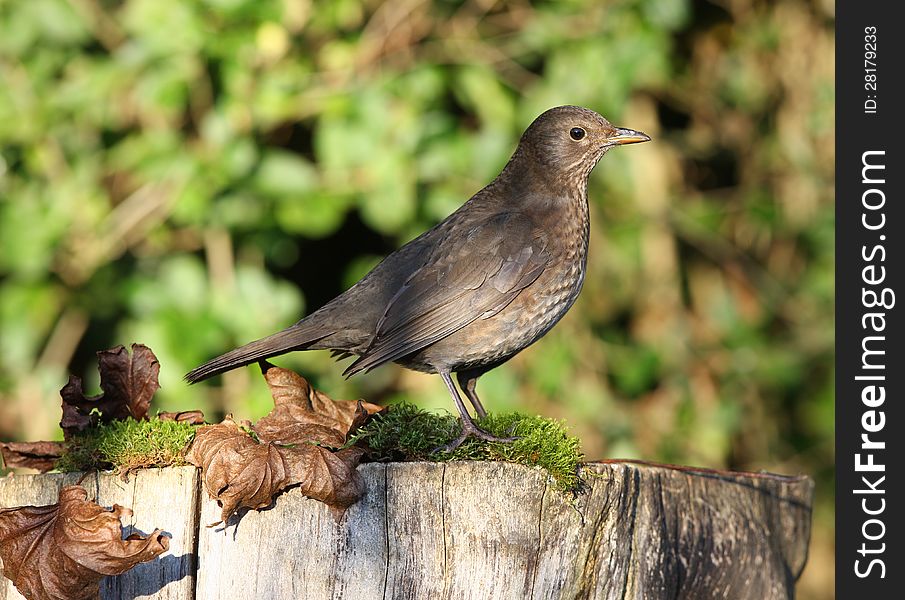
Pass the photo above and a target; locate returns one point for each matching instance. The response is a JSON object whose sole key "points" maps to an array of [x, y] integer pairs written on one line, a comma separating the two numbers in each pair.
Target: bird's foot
{"points": [[469, 429]]}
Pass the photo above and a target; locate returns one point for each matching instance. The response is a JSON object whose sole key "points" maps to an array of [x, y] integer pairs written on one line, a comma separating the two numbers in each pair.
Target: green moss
{"points": [[127, 445], [404, 432], [407, 432]]}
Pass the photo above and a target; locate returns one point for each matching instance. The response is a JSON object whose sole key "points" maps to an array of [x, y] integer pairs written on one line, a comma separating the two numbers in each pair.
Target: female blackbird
{"points": [[479, 287]]}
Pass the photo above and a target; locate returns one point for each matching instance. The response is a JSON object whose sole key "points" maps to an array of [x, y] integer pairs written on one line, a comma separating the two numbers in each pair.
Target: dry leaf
{"points": [[294, 446], [331, 477], [193, 417], [238, 471], [31, 455], [297, 405], [128, 384], [62, 551]]}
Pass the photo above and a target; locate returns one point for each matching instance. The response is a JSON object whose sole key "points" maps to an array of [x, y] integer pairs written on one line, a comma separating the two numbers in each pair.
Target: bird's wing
{"points": [[471, 277]]}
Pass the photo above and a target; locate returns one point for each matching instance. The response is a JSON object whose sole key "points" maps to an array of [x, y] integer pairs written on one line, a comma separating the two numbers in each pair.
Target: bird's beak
{"points": [[627, 136]]}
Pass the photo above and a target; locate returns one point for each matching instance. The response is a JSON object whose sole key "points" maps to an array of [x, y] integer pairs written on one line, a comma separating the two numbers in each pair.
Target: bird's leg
{"points": [[469, 429], [468, 386]]}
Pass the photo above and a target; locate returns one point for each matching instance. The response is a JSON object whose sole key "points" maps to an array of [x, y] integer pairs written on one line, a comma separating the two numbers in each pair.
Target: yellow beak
{"points": [[627, 136]]}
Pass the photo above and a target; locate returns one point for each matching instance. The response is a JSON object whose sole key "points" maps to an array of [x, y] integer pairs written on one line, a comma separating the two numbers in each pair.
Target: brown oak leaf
{"points": [[62, 551], [293, 445], [31, 455], [128, 383]]}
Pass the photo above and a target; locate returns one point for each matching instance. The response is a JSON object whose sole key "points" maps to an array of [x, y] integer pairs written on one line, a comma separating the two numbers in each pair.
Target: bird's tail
{"points": [[297, 337]]}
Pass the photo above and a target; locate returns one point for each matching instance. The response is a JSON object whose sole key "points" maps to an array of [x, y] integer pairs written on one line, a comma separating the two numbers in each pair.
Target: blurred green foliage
{"points": [[196, 174]]}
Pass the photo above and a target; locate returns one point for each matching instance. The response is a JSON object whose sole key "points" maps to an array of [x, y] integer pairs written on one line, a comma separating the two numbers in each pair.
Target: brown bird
{"points": [[482, 285]]}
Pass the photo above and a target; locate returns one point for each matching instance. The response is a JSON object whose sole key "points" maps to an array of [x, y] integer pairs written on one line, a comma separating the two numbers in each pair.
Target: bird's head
{"points": [[567, 141]]}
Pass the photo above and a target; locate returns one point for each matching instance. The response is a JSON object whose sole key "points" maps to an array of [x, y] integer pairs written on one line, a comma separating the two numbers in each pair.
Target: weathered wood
{"points": [[164, 498], [415, 570], [479, 530], [491, 529], [297, 548], [654, 531]]}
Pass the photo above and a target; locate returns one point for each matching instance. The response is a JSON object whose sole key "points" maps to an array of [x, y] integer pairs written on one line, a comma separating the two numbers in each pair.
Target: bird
{"points": [[479, 287]]}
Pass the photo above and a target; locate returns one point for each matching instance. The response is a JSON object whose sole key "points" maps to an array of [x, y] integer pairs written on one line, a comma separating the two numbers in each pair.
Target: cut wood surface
{"points": [[467, 530]]}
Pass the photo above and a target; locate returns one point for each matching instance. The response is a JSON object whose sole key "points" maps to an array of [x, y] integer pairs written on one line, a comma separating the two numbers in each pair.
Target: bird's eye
{"points": [[576, 133]]}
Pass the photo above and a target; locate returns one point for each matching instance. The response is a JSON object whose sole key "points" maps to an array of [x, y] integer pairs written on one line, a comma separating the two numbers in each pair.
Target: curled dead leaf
{"points": [[193, 417], [128, 383], [297, 405], [237, 470], [241, 472], [331, 477], [296, 445], [63, 550], [31, 455]]}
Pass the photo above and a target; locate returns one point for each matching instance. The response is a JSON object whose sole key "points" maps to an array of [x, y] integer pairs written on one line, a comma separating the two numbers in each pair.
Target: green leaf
{"points": [[283, 174], [389, 203], [313, 215]]}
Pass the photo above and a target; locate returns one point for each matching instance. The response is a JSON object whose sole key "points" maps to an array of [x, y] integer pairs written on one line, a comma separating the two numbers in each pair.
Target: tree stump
{"points": [[468, 530]]}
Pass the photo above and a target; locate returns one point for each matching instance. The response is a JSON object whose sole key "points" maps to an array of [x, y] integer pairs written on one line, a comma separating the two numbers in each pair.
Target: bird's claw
{"points": [[469, 429]]}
